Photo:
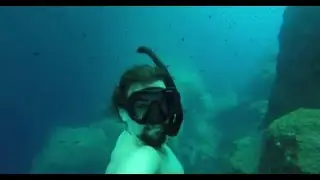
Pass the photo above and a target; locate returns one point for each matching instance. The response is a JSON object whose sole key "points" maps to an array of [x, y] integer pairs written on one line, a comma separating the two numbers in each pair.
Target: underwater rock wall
{"points": [[82, 150], [297, 85], [73, 150]]}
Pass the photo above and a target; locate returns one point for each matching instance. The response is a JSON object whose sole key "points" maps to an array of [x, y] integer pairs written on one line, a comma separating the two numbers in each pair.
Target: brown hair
{"points": [[136, 74]]}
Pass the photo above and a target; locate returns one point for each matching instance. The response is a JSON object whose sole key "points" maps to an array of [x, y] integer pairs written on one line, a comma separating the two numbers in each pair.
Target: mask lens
{"points": [[140, 108], [140, 102]]}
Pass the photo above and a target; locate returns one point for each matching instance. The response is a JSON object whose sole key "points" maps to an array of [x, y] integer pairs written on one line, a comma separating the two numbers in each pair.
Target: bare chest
{"points": [[169, 162]]}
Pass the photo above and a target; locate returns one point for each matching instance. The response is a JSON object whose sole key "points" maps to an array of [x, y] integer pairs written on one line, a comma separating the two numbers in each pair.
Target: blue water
{"points": [[58, 65]]}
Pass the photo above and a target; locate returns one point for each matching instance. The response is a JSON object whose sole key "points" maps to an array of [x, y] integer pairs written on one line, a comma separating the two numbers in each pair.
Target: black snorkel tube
{"points": [[173, 128]]}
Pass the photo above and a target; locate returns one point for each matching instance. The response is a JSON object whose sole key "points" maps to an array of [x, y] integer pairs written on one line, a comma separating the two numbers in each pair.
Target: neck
{"points": [[134, 138]]}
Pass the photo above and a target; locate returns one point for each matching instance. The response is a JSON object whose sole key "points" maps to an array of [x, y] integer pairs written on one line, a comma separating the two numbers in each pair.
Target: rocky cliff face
{"points": [[297, 83]]}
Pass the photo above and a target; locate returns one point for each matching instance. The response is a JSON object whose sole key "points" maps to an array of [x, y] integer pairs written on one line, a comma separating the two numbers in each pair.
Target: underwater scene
{"points": [[160, 90]]}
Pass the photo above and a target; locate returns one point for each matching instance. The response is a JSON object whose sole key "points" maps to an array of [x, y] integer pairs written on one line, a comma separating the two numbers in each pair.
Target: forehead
{"points": [[139, 86]]}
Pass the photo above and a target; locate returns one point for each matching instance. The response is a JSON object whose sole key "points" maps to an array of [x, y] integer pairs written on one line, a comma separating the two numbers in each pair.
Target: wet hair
{"points": [[137, 74]]}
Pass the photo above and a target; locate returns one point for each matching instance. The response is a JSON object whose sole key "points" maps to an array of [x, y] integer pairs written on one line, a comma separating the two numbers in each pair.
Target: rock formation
{"points": [[74, 151], [295, 137], [297, 85], [245, 158]]}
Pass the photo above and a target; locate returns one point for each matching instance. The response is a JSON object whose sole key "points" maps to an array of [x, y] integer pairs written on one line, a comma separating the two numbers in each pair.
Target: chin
{"points": [[155, 139]]}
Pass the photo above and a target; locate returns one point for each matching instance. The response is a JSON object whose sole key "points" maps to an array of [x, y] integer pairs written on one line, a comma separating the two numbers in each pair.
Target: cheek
{"points": [[135, 127]]}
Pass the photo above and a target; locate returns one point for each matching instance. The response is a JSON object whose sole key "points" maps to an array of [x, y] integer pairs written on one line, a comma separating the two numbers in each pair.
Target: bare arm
{"points": [[146, 160]]}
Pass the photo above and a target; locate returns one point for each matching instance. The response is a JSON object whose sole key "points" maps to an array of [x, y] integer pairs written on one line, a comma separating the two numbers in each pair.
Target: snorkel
{"points": [[173, 127]]}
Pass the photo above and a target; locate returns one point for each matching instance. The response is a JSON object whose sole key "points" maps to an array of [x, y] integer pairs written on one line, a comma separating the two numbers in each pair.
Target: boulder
{"points": [[294, 142], [245, 158]]}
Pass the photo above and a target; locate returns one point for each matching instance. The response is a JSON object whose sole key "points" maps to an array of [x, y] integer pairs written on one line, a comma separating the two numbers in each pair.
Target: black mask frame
{"points": [[161, 102]]}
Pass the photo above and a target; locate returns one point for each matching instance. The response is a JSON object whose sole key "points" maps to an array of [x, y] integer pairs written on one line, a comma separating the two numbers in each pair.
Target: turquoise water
{"points": [[59, 65]]}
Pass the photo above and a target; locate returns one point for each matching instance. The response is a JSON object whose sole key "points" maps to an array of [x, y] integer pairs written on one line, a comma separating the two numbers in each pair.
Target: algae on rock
{"points": [[245, 158], [296, 136]]}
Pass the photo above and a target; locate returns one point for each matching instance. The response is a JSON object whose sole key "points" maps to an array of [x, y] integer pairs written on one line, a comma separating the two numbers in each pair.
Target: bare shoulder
{"points": [[168, 150], [171, 165], [145, 160], [148, 153]]}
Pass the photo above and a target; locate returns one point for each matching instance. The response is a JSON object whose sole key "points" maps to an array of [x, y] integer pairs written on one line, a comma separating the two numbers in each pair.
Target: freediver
{"points": [[148, 102]]}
